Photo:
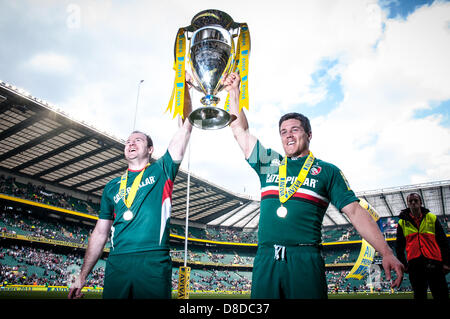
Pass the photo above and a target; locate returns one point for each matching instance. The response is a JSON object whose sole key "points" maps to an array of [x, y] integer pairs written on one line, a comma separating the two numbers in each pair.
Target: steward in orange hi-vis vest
{"points": [[420, 239], [421, 235]]}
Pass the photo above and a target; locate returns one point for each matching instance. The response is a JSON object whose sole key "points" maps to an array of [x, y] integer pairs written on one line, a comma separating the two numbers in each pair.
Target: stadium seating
{"points": [[214, 268]]}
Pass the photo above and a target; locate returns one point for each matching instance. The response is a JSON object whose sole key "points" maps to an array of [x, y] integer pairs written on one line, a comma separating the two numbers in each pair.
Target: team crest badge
{"points": [[315, 170]]}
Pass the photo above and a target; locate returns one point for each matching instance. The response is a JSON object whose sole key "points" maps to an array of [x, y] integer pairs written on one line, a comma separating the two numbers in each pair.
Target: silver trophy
{"points": [[212, 56]]}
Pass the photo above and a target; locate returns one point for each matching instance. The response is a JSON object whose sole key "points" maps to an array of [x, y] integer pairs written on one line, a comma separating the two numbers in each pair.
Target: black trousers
{"points": [[424, 273]]}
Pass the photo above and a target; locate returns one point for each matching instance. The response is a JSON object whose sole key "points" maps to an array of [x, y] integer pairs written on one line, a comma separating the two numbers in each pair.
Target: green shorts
{"points": [[144, 275], [291, 272]]}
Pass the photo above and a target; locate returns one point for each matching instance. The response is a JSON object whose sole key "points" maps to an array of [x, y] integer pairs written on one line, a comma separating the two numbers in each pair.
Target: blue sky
{"points": [[372, 76], [394, 9], [332, 85], [401, 9]]}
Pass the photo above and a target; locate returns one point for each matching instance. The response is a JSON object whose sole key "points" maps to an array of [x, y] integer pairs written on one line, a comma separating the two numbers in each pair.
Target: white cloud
{"points": [[389, 69], [302, 34], [50, 62], [374, 134]]}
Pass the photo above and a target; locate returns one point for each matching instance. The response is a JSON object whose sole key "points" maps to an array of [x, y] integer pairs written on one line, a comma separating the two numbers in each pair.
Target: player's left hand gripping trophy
{"points": [[212, 55]]}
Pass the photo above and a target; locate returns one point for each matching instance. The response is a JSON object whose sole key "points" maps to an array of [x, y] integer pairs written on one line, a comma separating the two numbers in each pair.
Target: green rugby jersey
{"points": [[149, 227], [323, 185]]}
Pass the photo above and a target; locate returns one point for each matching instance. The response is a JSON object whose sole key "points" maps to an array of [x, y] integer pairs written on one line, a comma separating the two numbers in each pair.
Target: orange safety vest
{"points": [[421, 241]]}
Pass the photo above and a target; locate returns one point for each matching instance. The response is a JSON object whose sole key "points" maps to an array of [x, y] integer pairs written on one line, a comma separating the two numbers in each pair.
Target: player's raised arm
{"points": [[178, 144], [239, 124]]}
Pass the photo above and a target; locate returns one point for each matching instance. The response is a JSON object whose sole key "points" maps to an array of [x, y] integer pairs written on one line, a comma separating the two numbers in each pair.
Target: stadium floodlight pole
{"points": [[137, 102]]}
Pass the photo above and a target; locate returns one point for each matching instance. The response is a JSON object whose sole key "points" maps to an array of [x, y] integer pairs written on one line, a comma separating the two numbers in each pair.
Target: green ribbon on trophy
{"points": [[212, 55]]}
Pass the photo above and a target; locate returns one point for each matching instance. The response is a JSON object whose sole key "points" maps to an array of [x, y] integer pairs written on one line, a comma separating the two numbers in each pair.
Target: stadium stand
{"points": [[50, 190], [28, 255]]}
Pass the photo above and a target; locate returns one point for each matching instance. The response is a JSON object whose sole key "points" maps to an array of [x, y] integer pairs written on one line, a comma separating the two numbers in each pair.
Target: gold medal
{"points": [[282, 211], [128, 215]]}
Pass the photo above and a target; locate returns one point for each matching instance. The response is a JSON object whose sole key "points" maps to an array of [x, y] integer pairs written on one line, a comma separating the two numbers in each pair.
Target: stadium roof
{"points": [[387, 202], [41, 143]]}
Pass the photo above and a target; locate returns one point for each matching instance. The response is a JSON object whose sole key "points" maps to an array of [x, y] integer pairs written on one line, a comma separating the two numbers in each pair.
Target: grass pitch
{"points": [[194, 295]]}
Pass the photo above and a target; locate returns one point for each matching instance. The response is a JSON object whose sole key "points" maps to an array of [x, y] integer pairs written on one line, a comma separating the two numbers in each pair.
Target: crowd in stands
{"points": [[39, 194], [215, 280], [337, 282], [339, 233], [27, 265], [216, 233], [79, 233], [230, 235], [214, 256], [339, 256], [21, 224], [9, 186], [23, 265]]}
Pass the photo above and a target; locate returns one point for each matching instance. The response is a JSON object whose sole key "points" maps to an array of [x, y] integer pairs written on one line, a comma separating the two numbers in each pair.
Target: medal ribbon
{"points": [[286, 192], [179, 68], [134, 187]]}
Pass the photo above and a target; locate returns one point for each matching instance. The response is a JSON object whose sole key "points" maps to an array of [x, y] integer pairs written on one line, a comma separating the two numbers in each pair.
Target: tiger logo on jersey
{"points": [[315, 170]]}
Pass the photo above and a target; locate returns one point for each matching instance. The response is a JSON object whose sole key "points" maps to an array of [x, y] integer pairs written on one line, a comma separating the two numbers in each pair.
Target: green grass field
{"points": [[97, 295]]}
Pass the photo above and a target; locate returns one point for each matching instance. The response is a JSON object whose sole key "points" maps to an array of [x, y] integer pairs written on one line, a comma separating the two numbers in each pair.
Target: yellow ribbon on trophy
{"points": [[367, 252], [179, 82], [240, 64]]}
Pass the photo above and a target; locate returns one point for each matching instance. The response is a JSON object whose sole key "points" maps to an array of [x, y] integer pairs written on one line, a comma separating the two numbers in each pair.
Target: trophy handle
{"points": [[235, 31], [194, 86], [220, 87]]}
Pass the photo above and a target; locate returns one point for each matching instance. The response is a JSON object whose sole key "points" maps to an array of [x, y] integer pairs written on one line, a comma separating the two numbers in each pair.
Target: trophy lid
{"points": [[212, 17]]}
